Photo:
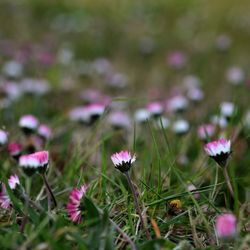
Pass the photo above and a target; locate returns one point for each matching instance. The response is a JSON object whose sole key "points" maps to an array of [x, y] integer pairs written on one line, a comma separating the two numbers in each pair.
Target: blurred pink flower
{"points": [[13, 181], [225, 225], [74, 205]]}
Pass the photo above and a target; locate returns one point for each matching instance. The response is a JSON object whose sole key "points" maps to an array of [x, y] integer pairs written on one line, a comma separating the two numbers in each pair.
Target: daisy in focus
{"points": [[219, 150], [123, 160]]}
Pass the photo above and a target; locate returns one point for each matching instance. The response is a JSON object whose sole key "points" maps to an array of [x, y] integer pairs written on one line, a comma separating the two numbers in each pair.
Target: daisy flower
{"points": [[28, 123], [13, 181], [74, 205], [44, 131], [15, 149], [206, 131], [33, 162], [219, 150], [155, 109], [123, 160]]}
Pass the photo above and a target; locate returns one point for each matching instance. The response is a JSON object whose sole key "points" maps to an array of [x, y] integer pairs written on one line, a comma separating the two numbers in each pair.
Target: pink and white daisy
{"points": [[123, 160], [44, 131], [95, 109], [177, 103], [226, 226], [36, 161], [180, 127], [142, 115], [195, 94], [227, 109], [219, 150], [15, 149], [13, 181], [5, 202], [119, 119], [80, 114], [155, 108], [206, 131], [74, 205], [3, 137], [28, 123]]}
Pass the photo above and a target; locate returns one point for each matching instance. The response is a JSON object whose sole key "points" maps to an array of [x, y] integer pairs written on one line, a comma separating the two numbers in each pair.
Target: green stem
{"points": [[137, 206], [49, 191], [227, 179]]}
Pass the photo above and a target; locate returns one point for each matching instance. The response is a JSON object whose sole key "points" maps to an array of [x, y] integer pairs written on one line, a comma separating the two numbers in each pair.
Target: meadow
{"points": [[124, 124]]}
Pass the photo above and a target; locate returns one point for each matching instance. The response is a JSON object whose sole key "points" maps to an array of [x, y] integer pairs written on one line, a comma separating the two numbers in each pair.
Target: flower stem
{"points": [[227, 179], [49, 190], [137, 206]]}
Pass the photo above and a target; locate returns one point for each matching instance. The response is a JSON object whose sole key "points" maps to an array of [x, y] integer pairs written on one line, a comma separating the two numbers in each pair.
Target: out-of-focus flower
{"points": [[219, 150], [5, 202], [13, 69], [15, 149], [227, 109], [74, 205], [195, 94], [177, 103], [192, 188], [162, 122], [44, 131], [223, 42], [79, 114], [119, 119], [177, 59], [95, 110], [235, 75], [33, 162], [28, 123], [35, 86], [3, 137], [191, 82], [206, 131], [123, 160], [180, 127], [220, 121], [155, 109], [102, 66], [226, 226], [117, 80], [142, 115], [45, 58], [12, 90], [13, 181]]}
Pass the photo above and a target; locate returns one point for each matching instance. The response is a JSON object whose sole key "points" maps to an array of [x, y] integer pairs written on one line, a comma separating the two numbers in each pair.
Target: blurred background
{"points": [[65, 41]]}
